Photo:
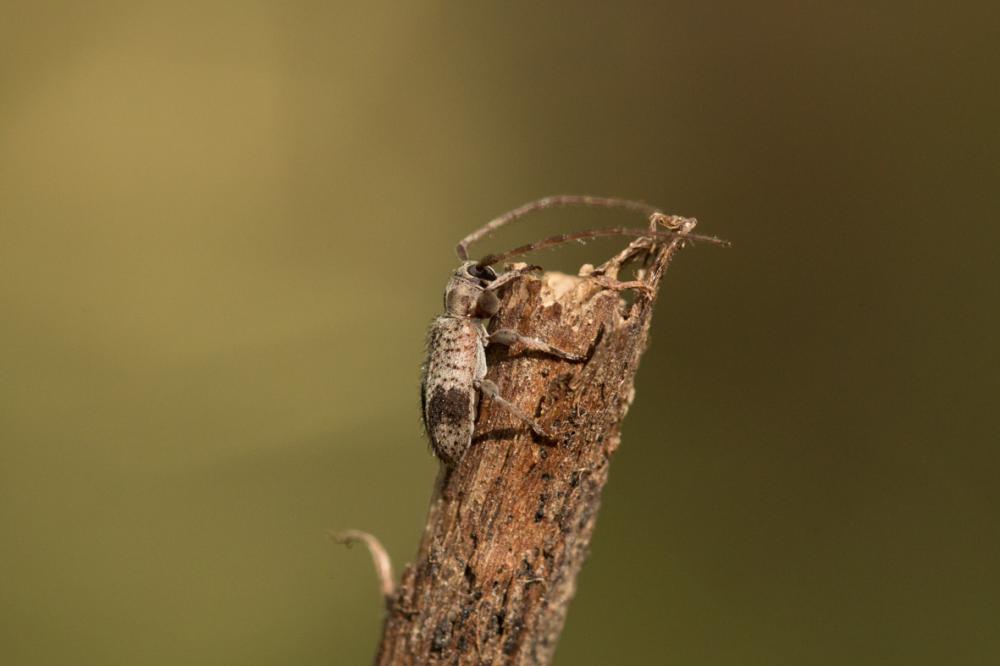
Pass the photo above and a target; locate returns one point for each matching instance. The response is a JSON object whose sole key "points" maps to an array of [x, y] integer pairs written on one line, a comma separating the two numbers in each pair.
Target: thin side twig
{"points": [[380, 558]]}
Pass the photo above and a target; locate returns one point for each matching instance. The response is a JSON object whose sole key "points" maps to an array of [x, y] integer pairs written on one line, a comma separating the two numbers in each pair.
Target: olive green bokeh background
{"points": [[224, 227]]}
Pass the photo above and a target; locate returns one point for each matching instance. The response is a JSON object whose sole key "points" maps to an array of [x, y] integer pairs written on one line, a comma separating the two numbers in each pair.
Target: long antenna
{"points": [[552, 241], [551, 202]]}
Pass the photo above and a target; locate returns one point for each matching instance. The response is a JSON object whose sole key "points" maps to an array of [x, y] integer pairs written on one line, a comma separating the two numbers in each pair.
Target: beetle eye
{"points": [[482, 272]]}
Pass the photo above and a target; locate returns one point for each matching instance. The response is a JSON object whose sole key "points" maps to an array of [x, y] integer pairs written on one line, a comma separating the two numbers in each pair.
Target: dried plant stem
{"points": [[510, 525]]}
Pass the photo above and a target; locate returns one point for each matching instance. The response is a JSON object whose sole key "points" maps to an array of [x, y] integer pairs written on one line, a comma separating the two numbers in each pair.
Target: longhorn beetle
{"points": [[454, 375]]}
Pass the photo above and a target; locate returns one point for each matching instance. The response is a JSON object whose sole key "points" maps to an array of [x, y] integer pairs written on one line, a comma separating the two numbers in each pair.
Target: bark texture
{"points": [[510, 525]]}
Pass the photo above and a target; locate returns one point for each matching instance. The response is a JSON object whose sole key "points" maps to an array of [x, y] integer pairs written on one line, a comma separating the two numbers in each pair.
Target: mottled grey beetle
{"points": [[454, 375]]}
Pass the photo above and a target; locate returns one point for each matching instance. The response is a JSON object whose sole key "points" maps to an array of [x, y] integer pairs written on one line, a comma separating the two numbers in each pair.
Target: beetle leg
{"points": [[611, 283], [507, 336], [511, 275], [491, 389]]}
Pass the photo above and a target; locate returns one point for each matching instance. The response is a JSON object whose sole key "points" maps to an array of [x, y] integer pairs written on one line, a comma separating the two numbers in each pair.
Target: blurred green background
{"points": [[225, 226]]}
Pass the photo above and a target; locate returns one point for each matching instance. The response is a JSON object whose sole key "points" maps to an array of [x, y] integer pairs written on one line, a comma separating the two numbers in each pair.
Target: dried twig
{"points": [[509, 526]]}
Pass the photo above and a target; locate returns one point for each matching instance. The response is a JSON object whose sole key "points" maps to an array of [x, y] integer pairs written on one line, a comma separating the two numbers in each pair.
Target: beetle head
{"points": [[466, 294]]}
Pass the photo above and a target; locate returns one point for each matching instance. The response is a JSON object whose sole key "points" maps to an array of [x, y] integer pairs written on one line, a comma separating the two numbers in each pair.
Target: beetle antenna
{"points": [[553, 241], [558, 200]]}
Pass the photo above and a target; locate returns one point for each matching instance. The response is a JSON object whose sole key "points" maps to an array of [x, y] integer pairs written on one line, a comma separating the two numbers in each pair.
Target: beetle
{"points": [[454, 374]]}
